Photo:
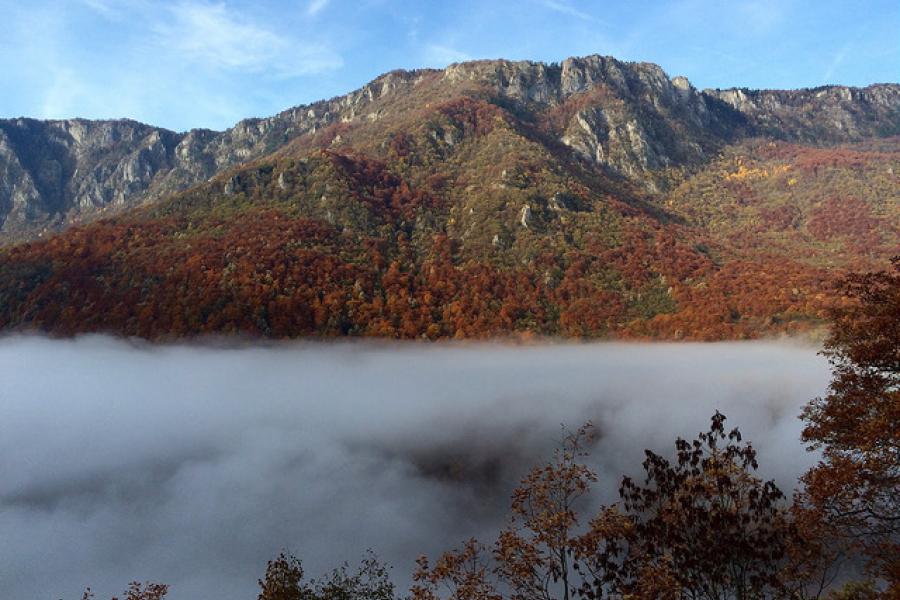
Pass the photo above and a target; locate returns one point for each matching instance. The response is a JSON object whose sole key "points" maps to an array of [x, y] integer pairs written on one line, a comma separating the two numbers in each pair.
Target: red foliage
{"points": [[848, 217], [811, 160], [472, 115], [376, 186], [857, 424], [744, 299], [780, 218]]}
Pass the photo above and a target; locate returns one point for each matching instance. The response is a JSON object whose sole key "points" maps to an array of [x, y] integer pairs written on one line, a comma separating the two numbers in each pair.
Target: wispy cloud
{"points": [[761, 16], [65, 89], [216, 36], [189, 63], [116, 10], [104, 7], [567, 9], [316, 6], [439, 55], [836, 61]]}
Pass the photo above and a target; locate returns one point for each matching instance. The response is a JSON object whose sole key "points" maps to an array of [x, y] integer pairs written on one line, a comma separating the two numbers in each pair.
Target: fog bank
{"points": [[193, 466]]}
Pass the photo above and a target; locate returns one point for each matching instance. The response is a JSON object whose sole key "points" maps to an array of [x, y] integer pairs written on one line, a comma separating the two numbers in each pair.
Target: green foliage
{"points": [[855, 590], [653, 298]]}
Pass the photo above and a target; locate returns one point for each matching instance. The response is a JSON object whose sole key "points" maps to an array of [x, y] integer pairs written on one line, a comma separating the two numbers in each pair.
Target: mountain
{"points": [[588, 198], [629, 117]]}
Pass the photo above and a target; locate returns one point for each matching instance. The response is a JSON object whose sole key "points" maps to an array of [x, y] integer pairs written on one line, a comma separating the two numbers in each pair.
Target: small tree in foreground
{"points": [[461, 574], [534, 555], [283, 579], [137, 591], [371, 581], [701, 527], [146, 591]]}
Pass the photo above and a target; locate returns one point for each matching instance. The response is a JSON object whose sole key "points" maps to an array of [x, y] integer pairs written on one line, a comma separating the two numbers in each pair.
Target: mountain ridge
{"points": [[58, 172]]}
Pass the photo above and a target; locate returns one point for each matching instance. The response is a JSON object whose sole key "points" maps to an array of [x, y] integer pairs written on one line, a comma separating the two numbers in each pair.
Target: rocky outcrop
{"points": [[627, 118], [821, 115], [54, 173], [645, 122]]}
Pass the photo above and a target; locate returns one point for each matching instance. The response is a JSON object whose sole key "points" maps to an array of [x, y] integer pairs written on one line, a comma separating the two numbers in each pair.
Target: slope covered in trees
{"points": [[593, 198], [339, 244]]}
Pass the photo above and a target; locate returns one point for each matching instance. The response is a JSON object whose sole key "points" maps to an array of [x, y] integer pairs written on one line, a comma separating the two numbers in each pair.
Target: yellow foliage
{"points": [[744, 173]]}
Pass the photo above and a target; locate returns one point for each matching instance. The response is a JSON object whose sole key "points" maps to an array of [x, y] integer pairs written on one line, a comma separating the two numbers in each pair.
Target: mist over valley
{"points": [[194, 465]]}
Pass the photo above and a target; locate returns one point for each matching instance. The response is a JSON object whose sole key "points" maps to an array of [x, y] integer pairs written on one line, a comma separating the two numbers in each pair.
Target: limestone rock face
{"points": [[56, 173], [633, 119], [62, 171], [630, 119], [821, 115]]}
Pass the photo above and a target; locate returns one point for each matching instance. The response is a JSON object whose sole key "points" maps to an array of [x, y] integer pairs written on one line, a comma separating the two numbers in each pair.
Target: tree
{"points": [[463, 574], [370, 582], [283, 579], [704, 526], [534, 555], [857, 424], [533, 558], [147, 591], [700, 527], [137, 591]]}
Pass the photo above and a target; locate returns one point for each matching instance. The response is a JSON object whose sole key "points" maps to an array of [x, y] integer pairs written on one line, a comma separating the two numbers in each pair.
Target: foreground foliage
{"points": [[702, 526], [284, 581], [857, 425]]}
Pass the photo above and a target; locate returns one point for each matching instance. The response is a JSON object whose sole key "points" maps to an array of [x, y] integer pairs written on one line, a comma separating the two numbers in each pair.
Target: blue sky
{"points": [[208, 63]]}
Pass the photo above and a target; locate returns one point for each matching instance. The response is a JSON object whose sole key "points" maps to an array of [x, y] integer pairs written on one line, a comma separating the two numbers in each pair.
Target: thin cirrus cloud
{"points": [[182, 64], [437, 54], [567, 9], [219, 37], [316, 6], [762, 16], [836, 61], [208, 63], [104, 7]]}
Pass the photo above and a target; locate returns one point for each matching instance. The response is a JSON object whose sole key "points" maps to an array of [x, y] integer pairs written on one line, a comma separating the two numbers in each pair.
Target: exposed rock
{"points": [[820, 115], [524, 216], [557, 203]]}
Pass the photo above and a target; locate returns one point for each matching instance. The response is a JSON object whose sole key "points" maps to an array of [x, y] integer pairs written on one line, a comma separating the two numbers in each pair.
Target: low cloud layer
{"points": [[194, 465]]}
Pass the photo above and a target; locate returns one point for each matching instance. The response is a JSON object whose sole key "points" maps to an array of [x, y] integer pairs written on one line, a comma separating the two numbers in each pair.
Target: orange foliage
{"points": [[857, 424]]}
